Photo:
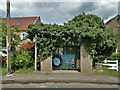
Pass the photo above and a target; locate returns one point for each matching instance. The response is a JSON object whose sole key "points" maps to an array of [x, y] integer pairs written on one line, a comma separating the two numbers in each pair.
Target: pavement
{"points": [[59, 77]]}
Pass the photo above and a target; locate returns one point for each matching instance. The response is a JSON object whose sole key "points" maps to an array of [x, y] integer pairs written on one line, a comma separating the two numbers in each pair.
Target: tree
{"points": [[46, 38], [14, 40], [86, 29], [15, 37], [98, 40], [20, 58]]}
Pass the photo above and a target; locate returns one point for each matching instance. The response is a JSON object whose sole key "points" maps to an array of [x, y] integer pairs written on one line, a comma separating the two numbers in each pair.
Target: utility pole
{"points": [[8, 40]]}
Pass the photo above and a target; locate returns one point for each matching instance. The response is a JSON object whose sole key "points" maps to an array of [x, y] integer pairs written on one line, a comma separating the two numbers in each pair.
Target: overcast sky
{"points": [[59, 12]]}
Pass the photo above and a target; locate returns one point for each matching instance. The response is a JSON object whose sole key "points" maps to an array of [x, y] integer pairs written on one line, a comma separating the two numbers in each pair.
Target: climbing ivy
{"points": [[86, 29], [98, 40]]}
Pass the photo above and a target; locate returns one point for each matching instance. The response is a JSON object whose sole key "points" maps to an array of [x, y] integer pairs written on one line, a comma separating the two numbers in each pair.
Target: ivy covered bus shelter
{"points": [[74, 45]]}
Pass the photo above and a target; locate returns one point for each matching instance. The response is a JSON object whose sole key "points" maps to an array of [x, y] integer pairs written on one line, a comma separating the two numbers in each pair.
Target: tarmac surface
{"points": [[59, 77], [59, 85]]}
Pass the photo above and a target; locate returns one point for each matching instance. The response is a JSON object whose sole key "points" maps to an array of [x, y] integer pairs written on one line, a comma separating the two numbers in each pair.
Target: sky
{"points": [[60, 11]]}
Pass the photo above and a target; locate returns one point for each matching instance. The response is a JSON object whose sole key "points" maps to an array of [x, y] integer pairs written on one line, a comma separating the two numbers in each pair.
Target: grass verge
{"points": [[106, 71], [3, 71], [22, 70]]}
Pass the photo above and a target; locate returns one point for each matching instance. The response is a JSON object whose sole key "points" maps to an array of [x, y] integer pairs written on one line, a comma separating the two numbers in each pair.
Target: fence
{"points": [[110, 65]]}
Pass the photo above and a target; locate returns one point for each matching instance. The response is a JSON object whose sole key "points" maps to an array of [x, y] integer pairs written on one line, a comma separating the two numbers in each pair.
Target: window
{"points": [[23, 35]]}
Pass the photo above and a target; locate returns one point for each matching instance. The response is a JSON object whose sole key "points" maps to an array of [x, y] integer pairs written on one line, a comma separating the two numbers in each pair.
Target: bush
{"points": [[4, 64], [22, 59], [114, 56]]}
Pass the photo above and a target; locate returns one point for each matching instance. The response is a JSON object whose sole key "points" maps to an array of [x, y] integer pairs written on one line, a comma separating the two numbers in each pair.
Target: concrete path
{"points": [[59, 77]]}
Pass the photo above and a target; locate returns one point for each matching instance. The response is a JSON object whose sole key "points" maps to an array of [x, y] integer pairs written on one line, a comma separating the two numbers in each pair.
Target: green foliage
{"points": [[4, 64], [14, 36], [4, 33], [114, 56], [106, 71], [86, 29], [24, 70], [3, 71], [100, 50], [22, 59], [20, 71], [99, 41], [88, 26]]}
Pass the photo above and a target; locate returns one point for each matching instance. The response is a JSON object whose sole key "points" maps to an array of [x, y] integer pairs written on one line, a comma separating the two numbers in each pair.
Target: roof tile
{"points": [[22, 22]]}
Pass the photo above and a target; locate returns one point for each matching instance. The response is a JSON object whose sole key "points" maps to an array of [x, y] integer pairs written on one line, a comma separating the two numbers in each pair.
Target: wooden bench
{"points": [[111, 66]]}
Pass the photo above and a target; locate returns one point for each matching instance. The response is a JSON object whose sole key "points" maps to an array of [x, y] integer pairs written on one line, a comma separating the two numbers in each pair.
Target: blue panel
{"points": [[68, 58]]}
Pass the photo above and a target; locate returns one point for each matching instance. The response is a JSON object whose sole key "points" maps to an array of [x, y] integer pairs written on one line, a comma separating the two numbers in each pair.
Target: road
{"points": [[59, 85]]}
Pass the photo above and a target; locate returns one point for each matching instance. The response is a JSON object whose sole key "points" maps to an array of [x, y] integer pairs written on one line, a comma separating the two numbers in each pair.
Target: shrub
{"points": [[114, 56], [22, 59], [4, 61]]}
